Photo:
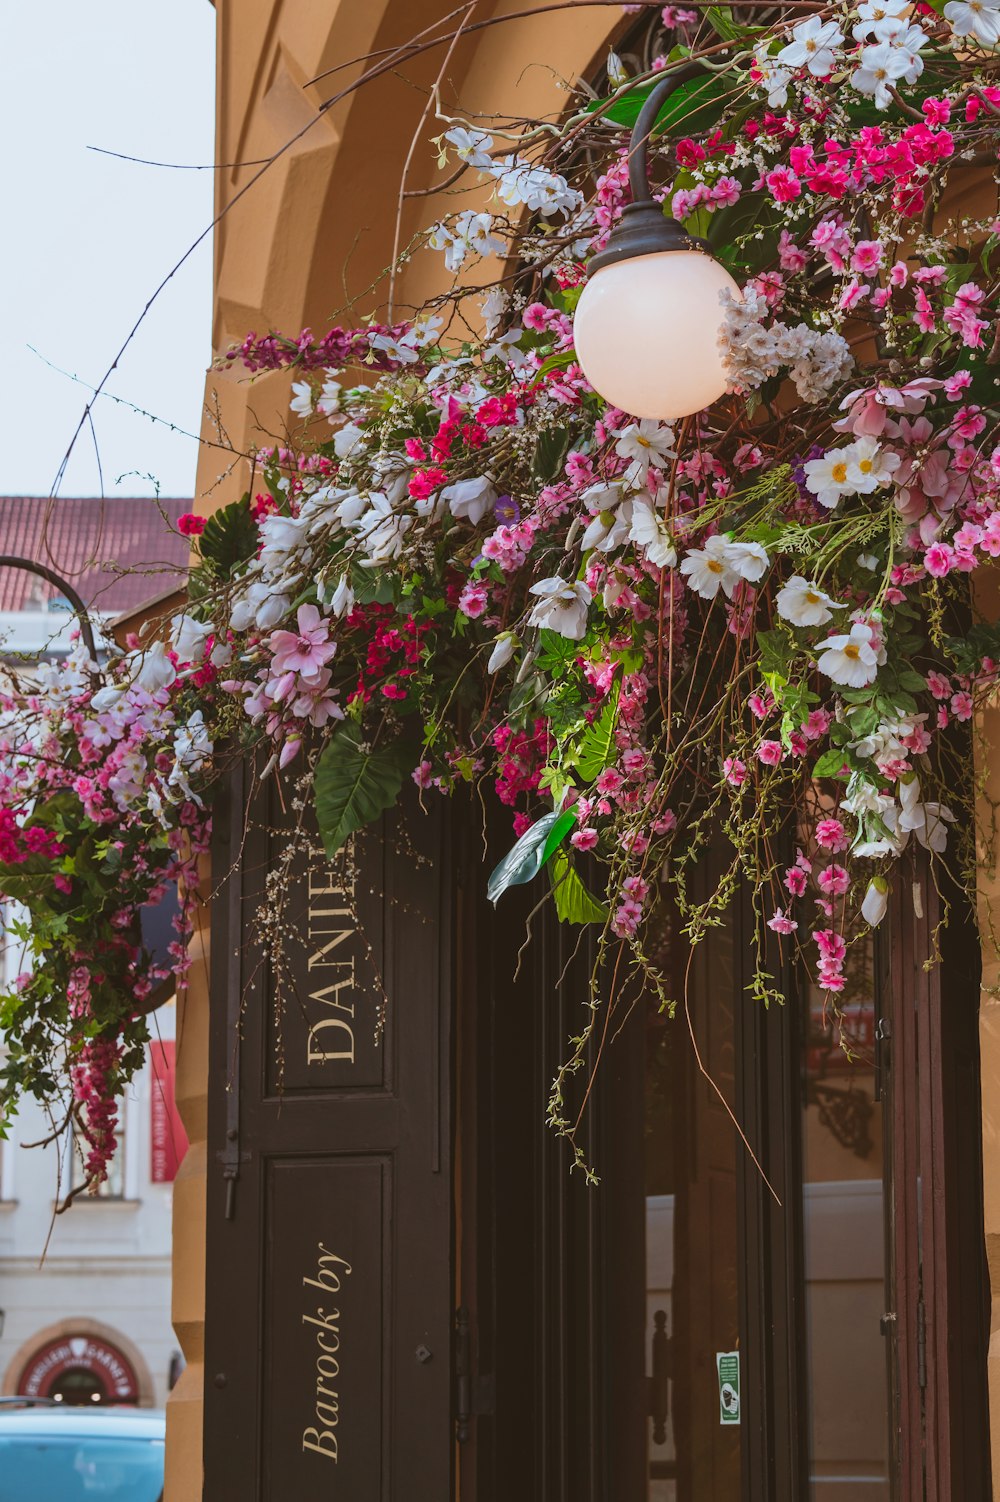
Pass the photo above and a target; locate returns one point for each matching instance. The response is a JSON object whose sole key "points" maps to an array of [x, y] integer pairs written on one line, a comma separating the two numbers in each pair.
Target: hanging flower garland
{"points": [[464, 567]]}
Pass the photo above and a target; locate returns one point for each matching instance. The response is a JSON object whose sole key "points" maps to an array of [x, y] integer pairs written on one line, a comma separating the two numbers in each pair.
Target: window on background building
{"points": [[113, 1187]]}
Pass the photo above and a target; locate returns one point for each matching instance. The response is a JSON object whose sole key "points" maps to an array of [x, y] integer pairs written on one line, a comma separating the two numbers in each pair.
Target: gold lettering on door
{"points": [[330, 927], [321, 1439]]}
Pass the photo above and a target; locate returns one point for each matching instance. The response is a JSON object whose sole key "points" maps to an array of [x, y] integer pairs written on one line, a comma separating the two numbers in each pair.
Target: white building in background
{"points": [[85, 1295]]}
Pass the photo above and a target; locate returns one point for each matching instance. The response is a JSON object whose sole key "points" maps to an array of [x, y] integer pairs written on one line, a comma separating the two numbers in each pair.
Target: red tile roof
{"points": [[117, 553]]}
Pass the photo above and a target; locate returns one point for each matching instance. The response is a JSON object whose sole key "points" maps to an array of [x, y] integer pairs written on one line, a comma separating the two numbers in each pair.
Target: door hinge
{"points": [[473, 1394], [921, 1344]]}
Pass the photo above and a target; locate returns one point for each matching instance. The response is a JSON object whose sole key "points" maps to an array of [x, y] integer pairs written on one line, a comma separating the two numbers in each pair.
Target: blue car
{"points": [[71, 1454]]}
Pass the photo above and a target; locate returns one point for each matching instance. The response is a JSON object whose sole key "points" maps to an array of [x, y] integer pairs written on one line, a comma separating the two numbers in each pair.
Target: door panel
{"points": [[329, 1216]]}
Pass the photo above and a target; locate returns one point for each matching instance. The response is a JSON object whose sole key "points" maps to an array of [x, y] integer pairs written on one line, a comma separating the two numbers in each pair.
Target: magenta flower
{"points": [[306, 651]]}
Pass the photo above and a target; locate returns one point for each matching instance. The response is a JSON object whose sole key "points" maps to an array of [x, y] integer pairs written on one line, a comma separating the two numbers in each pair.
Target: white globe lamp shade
{"points": [[646, 331]]}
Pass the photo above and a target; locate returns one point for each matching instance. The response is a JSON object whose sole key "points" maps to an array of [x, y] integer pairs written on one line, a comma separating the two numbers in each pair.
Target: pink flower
{"points": [[831, 835], [831, 945], [422, 774], [796, 880], [791, 256], [304, 652], [726, 191], [782, 924], [583, 839], [961, 706], [770, 753], [473, 599], [939, 685], [734, 771], [834, 880], [783, 186], [939, 559], [868, 257]]}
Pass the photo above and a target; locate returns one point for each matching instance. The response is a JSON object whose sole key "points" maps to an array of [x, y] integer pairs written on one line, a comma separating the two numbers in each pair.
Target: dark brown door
{"points": [[330, 1182]]}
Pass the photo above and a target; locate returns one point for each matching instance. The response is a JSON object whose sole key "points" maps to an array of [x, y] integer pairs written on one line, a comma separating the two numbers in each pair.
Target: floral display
{"points": [[463, 569]]}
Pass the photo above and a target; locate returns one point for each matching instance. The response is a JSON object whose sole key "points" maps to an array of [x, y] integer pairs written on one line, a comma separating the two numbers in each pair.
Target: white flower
{"points": [[262, 606], [470, 231], [349, 441], [650, 534], [151, 669], [494, 306], [749, 559], [470, 498], [188, 637], [871, 12], [403, 350], [805, 604], [381, 530], [812, 46], [708, 569], [425, 331], [647, 442], [328, 404], [977, 18], [928, 821], [192, 753], [608, 528], [772, 78], [302, 401], [881, 66], [828, 477], [471, 146], [342, 599], [850, 659], [617, 71], [281, 537], [561, 607], [869, 466], [876, 901], [541, 191], [503, 651]]}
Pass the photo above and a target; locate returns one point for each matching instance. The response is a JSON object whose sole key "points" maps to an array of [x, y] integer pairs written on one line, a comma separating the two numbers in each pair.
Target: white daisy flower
{"points": [[805, 604], [850, 659]]}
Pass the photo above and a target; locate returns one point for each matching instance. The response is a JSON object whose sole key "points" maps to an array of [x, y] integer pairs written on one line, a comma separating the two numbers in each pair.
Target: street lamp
{"points": [[647, 324]]}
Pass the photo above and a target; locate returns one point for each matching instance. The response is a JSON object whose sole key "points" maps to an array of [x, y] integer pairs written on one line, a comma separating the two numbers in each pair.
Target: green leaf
{"points": [[526, 858], [550, 452], [830, 763], [229, 538], [559, 361], [557, 834], [597, 744], [353, 787], [574, 904], [693, 106]]}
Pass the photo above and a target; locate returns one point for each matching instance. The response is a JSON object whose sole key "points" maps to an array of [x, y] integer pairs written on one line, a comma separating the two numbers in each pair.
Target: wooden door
{"points": [[330, 1206]]}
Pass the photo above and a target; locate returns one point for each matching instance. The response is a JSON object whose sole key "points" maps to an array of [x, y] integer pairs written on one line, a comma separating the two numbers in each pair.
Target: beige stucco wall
{"points": [[308, 239]]}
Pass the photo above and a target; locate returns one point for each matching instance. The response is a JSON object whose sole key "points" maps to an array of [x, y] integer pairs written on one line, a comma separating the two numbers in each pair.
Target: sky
{"points": [[88, 237]]}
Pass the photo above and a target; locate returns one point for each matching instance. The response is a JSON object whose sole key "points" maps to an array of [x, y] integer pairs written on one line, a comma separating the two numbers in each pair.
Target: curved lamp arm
{"points": [[643, 228], [9, 560], [638, 149]]}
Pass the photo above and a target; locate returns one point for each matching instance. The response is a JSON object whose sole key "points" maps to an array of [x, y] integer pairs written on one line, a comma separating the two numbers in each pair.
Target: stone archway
{"points": [[80, 1344]]}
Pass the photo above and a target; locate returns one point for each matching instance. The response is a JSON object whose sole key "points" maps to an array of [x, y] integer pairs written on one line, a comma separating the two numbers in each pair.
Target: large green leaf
{"points": [[693, 106], [528, 855], [229, 538], [574, 904], [352, 787], [597, 744]]}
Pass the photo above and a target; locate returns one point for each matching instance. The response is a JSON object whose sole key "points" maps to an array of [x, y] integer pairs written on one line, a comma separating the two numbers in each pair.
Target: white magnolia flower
{"points": [[262, 606], [812, 46], [503, 651], [342, 599], [850, 659], [975, 18], [302, 399], [609, 527], [151, 668], [828, 478], [882, 66], [805, 604], [426, 330], [471, 146], [470, 231], [749, 559], [616, 70], [772, 77], [471, 499], [381, 530], [188, 637], [561, 607], [192, 754], [282, 536], [646, 442], [708, 569], [650, 534], [349, 441], [928, 821], [876, 901]]}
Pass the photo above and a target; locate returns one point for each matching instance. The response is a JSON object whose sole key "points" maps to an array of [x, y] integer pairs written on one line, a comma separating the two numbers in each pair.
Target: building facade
{"points": [[85, 1295], [689, 1329]]}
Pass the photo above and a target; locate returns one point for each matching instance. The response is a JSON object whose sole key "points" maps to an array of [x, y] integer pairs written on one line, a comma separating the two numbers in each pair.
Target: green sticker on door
{"points": [[728, 1366]]}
